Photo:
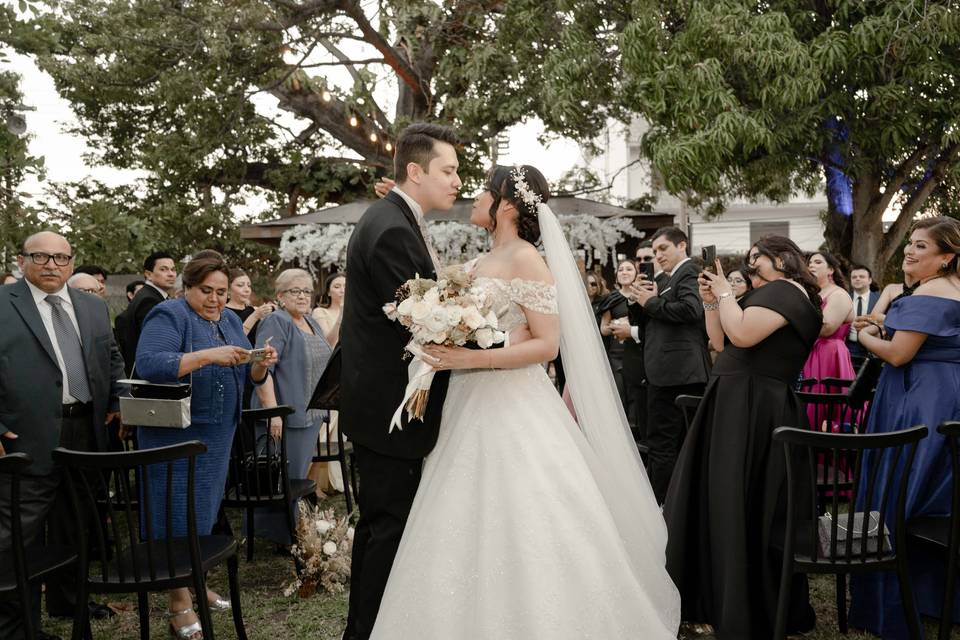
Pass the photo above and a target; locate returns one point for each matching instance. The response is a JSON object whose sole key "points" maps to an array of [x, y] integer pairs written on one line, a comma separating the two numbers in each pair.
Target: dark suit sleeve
{"points": [[685, 309], [392, 263], [140, 313]]}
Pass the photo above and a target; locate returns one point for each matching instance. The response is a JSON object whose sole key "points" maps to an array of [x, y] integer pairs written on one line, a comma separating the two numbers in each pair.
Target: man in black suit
{"points": [[864, 300], [160, 272], [389, 246], [59, 366], [675, 350]]}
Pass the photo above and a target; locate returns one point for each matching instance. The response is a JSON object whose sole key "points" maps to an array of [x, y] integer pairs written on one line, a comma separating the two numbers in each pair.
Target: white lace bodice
{"points": [[508, 296]]}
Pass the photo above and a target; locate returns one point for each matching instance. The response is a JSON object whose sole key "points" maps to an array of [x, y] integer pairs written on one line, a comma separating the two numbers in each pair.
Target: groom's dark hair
{"points": [[416, 144]]}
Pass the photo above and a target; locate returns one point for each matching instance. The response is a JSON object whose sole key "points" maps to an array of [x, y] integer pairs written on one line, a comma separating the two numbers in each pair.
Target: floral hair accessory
{"points": [[527, 195]]}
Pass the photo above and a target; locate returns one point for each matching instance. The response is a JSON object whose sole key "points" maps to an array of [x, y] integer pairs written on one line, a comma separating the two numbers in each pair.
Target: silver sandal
{"points": [[192, 631]]}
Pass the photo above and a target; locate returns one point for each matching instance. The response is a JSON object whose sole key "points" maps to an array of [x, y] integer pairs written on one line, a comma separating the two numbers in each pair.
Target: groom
{"points": [[387, 248]]}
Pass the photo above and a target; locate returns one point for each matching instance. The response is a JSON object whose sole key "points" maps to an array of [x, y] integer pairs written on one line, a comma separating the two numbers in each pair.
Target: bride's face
{"points": [[480, 213]]}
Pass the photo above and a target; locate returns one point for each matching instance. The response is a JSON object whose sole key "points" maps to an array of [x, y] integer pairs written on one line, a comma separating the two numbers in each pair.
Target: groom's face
{"points": [[440, 184]]}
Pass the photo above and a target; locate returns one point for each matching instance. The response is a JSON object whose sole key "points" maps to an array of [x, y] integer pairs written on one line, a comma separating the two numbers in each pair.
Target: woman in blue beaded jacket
{"points": [[192, 336]]}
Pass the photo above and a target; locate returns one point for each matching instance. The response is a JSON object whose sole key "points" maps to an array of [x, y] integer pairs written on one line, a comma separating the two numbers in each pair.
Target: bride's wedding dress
{"points": [[513, 534]]}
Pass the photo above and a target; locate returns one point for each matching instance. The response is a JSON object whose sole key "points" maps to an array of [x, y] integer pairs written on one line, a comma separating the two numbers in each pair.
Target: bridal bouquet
{"points": [[449, 311], [322, 550]]}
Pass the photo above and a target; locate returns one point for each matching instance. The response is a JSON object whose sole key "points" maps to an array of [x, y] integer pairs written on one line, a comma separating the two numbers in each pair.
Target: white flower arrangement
{"points": [[323, 547], [321, 246]]}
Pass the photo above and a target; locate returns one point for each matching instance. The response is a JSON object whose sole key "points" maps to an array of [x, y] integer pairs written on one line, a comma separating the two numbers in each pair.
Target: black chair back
{"points": [[12, 466], [257, 473], [857, 539], [951, 430], [688, 405], [127, 550], [836, 385]]}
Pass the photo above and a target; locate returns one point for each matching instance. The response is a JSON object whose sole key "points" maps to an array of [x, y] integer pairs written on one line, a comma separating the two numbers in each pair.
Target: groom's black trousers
{"points": [[387, 488]]}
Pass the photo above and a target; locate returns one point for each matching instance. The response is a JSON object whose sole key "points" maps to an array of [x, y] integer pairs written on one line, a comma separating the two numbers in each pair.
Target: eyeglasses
{"points": [[59, 259], [736, 281], [646, 259], [590, 283], [86, 290], [296, 293]]}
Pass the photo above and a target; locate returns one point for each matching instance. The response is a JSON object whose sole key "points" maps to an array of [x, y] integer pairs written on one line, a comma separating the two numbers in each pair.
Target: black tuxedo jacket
{"points": [[385, 250], [129, 323], [633, 365], [675, 339], [872, 298], [31, 383]]}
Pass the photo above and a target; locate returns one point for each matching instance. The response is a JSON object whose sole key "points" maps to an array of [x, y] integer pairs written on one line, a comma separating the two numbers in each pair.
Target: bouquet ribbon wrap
{"points": [[419, 378]]}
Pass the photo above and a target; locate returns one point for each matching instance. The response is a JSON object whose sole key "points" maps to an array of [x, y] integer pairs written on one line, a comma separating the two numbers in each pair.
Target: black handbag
{"points": [[262, 469], [863, 386]]}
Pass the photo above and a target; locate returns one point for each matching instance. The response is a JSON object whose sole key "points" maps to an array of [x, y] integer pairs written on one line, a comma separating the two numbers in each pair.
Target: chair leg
{"points": [[143, 611], [946, 613], [842, 602], [203, 606], [234, 579], [783, 599], [250, 534], [906, 594], [346, 483]]}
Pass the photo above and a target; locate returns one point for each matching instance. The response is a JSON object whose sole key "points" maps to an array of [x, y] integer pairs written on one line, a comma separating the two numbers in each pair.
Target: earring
{"points": [[943, 266]]}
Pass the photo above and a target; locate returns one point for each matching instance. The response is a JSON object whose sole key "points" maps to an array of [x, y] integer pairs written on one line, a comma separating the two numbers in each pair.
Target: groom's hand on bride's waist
{"points": [[518, 335]]}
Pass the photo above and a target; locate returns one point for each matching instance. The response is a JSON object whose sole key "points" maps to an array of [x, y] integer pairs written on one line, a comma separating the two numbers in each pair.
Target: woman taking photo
{"points": [[920, 343], [193, 339], [614, 310], [729, 486], [302, 354], [830, 357]]}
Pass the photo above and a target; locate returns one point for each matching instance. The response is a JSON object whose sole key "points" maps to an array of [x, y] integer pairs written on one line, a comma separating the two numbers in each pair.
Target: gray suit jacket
{"points": [[31, 383]]}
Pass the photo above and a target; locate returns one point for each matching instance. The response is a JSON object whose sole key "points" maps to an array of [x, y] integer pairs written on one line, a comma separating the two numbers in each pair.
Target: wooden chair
{"points": [[944, 532], [20, 565], [807, 551], [137, 558], [253, 483]]}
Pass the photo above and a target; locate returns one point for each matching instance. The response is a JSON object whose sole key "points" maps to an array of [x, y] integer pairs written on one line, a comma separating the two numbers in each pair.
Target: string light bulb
{"points": [[373, 137], [325, 96], [353, 121], [388, 147]]}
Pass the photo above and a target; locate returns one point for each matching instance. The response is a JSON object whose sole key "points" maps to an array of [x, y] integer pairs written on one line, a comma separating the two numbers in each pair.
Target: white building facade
{"points": [[621, 164]]}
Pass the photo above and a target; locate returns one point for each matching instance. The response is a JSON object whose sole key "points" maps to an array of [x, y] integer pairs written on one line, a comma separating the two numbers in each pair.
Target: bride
{"points": [[526, 525]]}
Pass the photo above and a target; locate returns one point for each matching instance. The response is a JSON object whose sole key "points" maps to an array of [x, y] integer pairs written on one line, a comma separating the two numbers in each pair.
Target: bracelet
{"points": [[723, 296], [711, 306]]}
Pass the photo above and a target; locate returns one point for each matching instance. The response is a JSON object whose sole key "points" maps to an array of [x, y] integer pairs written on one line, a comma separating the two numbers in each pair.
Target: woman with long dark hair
{"points": [[729, 486], [830, 357], [614, 311]]}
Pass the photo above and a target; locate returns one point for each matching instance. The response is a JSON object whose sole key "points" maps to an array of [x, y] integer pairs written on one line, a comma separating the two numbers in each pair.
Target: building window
{"points": [[761, 229]]}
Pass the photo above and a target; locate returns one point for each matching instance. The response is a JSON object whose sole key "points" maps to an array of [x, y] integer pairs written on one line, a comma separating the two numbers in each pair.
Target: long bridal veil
{"points": [[617, 467]]}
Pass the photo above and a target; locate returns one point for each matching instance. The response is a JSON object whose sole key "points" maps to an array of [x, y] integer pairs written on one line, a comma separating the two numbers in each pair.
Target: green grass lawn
{"points": [[269, 615]]}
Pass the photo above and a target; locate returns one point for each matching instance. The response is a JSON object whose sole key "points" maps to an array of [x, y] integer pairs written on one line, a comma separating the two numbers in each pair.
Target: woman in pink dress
{"points": [[830, 357]]}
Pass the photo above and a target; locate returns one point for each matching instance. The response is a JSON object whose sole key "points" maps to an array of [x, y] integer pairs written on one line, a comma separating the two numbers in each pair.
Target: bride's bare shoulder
{"points": [[528, 264]]}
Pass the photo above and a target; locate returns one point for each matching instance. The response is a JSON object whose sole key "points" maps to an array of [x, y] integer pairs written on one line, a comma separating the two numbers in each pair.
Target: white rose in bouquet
{"points": [[437, 320], [404, 307], [454, 315], [391, 310], [491, 319], [473, 318], [323, 526], [329, 547], [432, 296], [484, 338], [419, 311]]}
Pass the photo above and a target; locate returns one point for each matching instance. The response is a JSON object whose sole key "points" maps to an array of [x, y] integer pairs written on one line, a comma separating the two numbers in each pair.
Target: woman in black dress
{"points": [[614, 310], [729, 486]]}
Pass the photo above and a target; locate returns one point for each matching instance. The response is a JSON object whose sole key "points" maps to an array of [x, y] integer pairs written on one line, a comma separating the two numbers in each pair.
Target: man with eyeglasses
{"points": [[88, 284], [59, 367]]}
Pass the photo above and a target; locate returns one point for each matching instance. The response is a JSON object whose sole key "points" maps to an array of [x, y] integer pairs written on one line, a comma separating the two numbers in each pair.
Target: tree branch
{"points": [[892, 238], [378, 113], [896, 182]]}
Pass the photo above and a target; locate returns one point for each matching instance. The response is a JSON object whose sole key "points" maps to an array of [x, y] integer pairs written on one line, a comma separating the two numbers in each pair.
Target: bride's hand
{"points": [[440, 357]]}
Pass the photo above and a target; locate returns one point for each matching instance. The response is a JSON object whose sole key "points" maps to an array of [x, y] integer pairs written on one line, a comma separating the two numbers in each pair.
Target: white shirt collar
{"points": [[39, 295], [862, 295], [162, 292], [414, 205], [679, 264]]}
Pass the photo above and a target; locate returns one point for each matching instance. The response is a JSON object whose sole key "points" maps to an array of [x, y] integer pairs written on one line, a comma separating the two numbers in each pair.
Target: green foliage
{"points": [[737, 94]]}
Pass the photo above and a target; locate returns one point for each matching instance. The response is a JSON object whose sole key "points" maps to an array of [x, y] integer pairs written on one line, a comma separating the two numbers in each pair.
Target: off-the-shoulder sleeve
{"points": [[925, 314], [536, 296]]}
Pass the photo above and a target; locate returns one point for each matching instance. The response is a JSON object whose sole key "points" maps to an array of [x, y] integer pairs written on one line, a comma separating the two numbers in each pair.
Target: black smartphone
{"points": [[709, 255], [646, 268]]}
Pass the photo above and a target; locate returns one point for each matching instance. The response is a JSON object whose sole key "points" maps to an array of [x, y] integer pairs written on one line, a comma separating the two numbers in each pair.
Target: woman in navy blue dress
{"points": [[919, 385], [193, 336]]}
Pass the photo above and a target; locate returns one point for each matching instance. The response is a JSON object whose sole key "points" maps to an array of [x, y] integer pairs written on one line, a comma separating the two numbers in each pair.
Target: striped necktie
{"points": [[70, 350]]}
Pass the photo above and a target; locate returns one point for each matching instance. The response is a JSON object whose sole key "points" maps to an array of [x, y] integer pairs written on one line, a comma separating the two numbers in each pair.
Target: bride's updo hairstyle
{"points": [[503, 186], [793, 264]]}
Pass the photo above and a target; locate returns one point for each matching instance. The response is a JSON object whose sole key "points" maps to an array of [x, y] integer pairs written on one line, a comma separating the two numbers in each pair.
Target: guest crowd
{"points": [[739, 343]]}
